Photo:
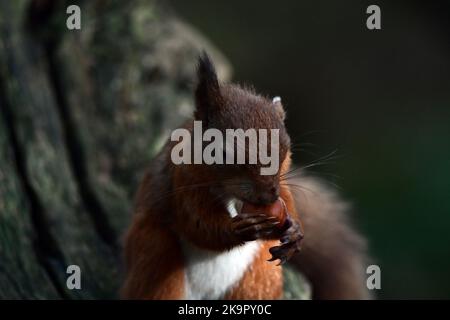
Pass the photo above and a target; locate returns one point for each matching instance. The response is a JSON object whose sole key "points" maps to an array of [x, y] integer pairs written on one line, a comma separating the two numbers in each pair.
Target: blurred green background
{"points": [[380, 98]]}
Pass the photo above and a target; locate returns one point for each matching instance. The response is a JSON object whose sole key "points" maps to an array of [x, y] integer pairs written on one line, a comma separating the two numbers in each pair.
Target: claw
{"points": [[251, 219], [244, 216], [256, 227], [252, 226], [290, 243], [282, 261]]}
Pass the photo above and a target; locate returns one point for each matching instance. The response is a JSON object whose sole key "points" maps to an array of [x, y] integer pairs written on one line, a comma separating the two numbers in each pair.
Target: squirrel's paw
{"points": [[290, 242], [252, 226]]}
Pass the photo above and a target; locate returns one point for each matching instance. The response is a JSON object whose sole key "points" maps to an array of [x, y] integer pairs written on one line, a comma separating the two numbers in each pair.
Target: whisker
{"points": [[321, 161], [304, 144], [303, 150], [298, 174], [299, 187]]}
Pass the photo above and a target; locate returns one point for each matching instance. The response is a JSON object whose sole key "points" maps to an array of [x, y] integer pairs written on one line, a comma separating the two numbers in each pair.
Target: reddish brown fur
{"points": [[263, 280], [152, 254], [169, 210], [154, 258], [156, 268]]}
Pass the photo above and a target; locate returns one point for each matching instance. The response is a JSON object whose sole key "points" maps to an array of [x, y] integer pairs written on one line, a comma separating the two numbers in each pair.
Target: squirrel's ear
{"points": [[207, 94], [279, 107]]}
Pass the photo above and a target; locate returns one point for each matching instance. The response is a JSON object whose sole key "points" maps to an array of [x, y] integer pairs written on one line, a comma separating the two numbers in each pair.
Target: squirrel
{"points": [[189, 240]]}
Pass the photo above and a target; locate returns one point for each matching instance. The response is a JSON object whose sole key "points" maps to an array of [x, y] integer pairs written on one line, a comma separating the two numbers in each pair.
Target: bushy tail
{"points": [[333, 255]]}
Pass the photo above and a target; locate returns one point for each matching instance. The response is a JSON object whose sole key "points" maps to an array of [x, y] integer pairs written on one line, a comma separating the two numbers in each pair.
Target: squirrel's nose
{"points": [[269, 195]]}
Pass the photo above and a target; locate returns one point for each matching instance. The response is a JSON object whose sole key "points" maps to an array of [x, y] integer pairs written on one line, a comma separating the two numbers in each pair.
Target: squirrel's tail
{"points": [[333, 255]]}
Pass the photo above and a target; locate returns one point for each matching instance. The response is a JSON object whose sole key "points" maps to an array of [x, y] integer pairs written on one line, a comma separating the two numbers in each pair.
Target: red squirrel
{"points": [[217, 231]]}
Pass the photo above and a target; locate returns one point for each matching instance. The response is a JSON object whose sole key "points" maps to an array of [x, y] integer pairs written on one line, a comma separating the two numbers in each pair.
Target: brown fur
{"points": [[156, 268], [185, 202], [152, 252], [263, 280], [155, 260]]}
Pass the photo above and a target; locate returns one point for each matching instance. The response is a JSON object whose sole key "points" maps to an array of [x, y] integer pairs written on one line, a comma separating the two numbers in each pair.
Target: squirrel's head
{"points": [[227, 107]]}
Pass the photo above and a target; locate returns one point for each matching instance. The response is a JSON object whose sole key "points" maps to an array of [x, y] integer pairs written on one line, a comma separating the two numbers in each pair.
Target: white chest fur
{"points": [[209, 275]]}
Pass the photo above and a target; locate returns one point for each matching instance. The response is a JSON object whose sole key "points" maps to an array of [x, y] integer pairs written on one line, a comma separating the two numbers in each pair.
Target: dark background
{"points": [[380, 99]]}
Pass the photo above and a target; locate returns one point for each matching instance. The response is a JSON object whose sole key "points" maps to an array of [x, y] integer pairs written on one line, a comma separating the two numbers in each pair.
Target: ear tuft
{"points": [[207, 93], [206, 72]]}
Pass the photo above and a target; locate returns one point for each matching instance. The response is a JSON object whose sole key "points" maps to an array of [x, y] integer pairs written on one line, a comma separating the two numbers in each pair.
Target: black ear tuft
{"points": [[207, 93], [206, 71]]}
